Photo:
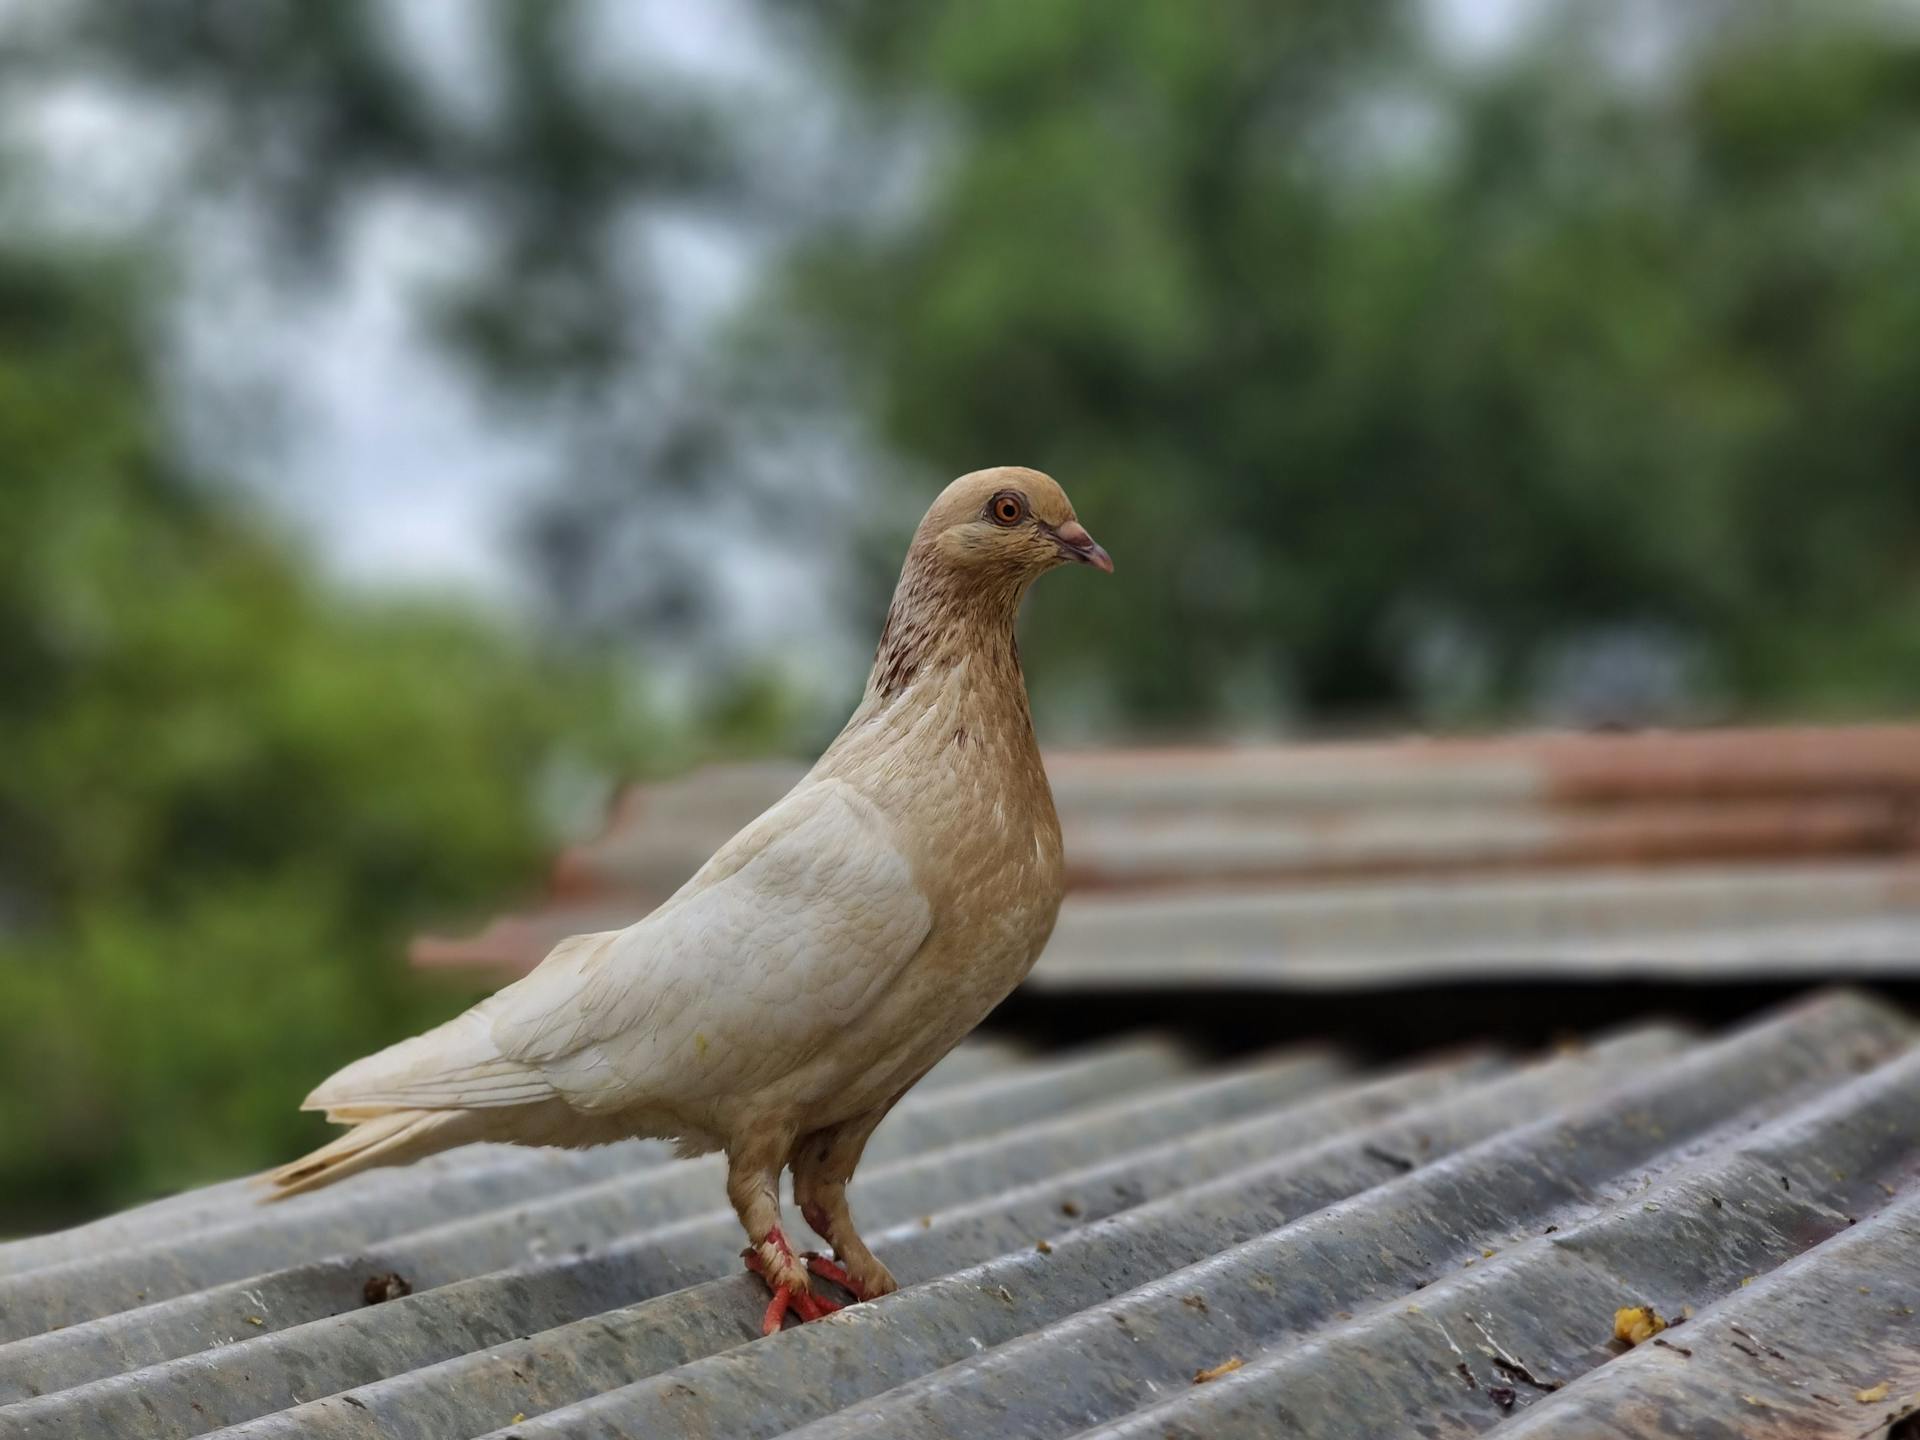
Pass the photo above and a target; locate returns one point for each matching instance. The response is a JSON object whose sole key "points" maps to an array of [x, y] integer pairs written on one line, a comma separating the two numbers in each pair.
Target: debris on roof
{"points": [[1635, 1323], [1449, 1238]]}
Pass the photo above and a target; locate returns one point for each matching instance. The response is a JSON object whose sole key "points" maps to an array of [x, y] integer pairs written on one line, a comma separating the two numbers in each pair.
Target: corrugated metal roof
{"points": [[1434, 1249], [1697, 852], [1726, 923], [1722, 922], [1136, 816]]}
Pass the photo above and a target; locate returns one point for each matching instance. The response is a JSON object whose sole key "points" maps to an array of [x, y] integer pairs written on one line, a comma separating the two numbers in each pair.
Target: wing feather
{"points": [[455, 1066], [789, 933], [783, 937]]}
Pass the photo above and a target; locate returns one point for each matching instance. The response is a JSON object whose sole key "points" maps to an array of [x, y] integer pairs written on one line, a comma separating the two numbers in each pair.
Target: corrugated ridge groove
{"points": [[176, 1216], [1442, 913], [88, 1289], [573, 1361], [1123, 1351], [260, 1237], [1473, 1345], [364, 1208], [999, 1300], [275, 1369], [1867, 946], [804, 1374], [196, 1212], [313, 1289], [1788, 1356], [188, 1210]]}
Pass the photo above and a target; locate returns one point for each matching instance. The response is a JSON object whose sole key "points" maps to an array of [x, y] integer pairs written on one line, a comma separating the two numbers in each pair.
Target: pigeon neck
{"points": [[944, 731], [942, 623]]}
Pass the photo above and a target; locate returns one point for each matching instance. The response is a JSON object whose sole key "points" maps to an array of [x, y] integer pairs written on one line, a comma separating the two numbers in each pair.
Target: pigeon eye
{"points": [[1008, 509]]}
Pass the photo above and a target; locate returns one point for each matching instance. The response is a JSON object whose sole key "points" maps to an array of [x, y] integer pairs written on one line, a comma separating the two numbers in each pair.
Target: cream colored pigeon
{"points": [[780, 1004]]}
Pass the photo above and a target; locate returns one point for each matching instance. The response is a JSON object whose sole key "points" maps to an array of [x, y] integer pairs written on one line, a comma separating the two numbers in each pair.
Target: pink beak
{"points": [[1075, 540]]}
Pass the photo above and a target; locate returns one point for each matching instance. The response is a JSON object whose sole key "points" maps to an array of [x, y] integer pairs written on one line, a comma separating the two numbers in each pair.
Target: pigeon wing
{"points": [[796, 927]]}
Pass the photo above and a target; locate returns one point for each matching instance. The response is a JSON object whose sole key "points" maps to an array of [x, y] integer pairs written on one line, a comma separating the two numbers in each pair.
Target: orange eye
{"points": [[1007, 509]]}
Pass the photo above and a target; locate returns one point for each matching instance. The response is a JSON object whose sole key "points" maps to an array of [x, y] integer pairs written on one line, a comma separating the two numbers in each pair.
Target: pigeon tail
{"points": [[390, 1139]]}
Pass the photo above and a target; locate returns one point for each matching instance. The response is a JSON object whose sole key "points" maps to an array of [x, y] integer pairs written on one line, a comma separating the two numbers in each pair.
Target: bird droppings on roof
{"points": [[1223, 1211]]}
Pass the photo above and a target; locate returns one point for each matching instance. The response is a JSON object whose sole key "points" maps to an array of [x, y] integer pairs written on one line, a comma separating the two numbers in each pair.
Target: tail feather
{"points": [[455, 1066], [393, 1138]]}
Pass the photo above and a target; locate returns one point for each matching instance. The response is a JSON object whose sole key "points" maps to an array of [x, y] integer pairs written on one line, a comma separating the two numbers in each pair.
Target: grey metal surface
{"points": [[1247, 817], [1729, 923], [1405, 804], [495, 1252], [1805, 840], [1434, 1248], [1732, 923], [371, 1195]]}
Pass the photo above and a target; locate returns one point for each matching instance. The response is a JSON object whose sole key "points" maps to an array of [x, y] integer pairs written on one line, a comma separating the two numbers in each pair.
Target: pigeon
{"points": [[785, 998]]}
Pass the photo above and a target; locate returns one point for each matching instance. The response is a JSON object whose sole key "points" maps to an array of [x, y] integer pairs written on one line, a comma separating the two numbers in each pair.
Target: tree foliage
{"points": [[1400, 383], [1376, 367], [228, 800], [1403, 388], [553, 163]]}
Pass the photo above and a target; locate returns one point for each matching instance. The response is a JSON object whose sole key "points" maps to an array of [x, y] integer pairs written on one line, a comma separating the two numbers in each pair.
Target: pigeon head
{"points": [[987, 537], [1007, 523]]}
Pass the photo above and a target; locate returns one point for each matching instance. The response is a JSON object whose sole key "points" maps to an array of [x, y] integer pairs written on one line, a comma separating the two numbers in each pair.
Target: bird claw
{"points": [[802, 1301], [799, 1299], [830, 1269]]}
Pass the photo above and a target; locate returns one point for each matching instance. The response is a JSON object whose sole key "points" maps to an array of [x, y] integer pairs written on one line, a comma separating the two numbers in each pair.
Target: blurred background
{"points": [[418, 416]]}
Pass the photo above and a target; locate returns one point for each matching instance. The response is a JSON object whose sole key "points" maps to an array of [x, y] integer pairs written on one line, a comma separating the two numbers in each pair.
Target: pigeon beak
{"points": [[1075, 540]]}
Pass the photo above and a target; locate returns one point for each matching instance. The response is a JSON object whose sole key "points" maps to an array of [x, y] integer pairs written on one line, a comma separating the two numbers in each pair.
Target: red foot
{"points": [[833, 1270], [801, 1300]]}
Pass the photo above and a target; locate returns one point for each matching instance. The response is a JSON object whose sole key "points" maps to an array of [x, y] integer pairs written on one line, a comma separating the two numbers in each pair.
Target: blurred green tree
{"points": [[1392, 381], [228, 799], [1385, 378], [559, 160], [1399, 383]]}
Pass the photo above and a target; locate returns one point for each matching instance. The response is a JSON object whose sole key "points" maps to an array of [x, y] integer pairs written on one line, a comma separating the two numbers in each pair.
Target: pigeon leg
{"points": [[754, 1190], [822, 1194]]}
